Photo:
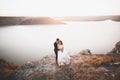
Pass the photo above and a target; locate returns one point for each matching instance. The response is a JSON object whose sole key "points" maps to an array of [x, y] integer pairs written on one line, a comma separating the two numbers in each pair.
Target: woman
{"points": [[63, 57]]}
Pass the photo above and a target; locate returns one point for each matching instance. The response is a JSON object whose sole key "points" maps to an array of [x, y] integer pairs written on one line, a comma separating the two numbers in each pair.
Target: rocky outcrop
{"points": [[82, 67], [45, 69], [115, 50]]}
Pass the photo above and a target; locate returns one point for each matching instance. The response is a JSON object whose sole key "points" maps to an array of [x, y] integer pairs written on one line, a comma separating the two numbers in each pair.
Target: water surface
{"points": [[21, 43]]}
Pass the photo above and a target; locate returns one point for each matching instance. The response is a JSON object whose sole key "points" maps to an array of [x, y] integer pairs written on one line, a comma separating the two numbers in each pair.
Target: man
{"points": [[56, 49]]}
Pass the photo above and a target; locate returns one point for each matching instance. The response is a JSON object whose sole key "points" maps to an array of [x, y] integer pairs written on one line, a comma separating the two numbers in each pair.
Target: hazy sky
{"points": [[59, 7]]}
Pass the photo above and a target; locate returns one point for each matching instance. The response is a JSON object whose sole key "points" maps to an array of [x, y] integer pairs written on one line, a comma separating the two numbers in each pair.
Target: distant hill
{"points": [[7, 21], [91, 18], [4, 21]]}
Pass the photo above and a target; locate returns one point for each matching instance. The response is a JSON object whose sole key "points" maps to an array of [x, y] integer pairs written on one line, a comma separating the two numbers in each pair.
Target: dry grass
{"points": [[90, 68], [97, 60], [6, 68]]}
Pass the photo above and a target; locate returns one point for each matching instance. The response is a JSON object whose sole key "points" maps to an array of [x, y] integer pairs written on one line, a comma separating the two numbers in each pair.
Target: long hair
{"points": [[61, 42]]}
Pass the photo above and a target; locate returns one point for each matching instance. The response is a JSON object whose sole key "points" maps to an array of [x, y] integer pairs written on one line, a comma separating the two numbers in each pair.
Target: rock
{"points": [[86, 52], [117, 47], [115, 50]]}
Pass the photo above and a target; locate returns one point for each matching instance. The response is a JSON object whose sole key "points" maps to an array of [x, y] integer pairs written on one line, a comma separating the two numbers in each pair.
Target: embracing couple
{"points": [[62, 56]]}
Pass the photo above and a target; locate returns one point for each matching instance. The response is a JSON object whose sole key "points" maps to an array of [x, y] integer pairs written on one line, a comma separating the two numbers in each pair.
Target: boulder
{"points": [[86, 52], [115, 50]]}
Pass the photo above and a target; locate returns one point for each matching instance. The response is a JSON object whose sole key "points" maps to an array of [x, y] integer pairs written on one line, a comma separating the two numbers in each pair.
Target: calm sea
{"points": [[21, 43]]}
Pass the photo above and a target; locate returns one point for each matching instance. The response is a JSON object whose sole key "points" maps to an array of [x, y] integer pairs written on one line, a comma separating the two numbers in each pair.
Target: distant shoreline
{"points": [[27, 20], [7, 21]]}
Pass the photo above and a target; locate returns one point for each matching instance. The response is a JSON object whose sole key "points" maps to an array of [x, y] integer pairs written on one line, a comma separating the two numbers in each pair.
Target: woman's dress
{"points": [[63, 57]]}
